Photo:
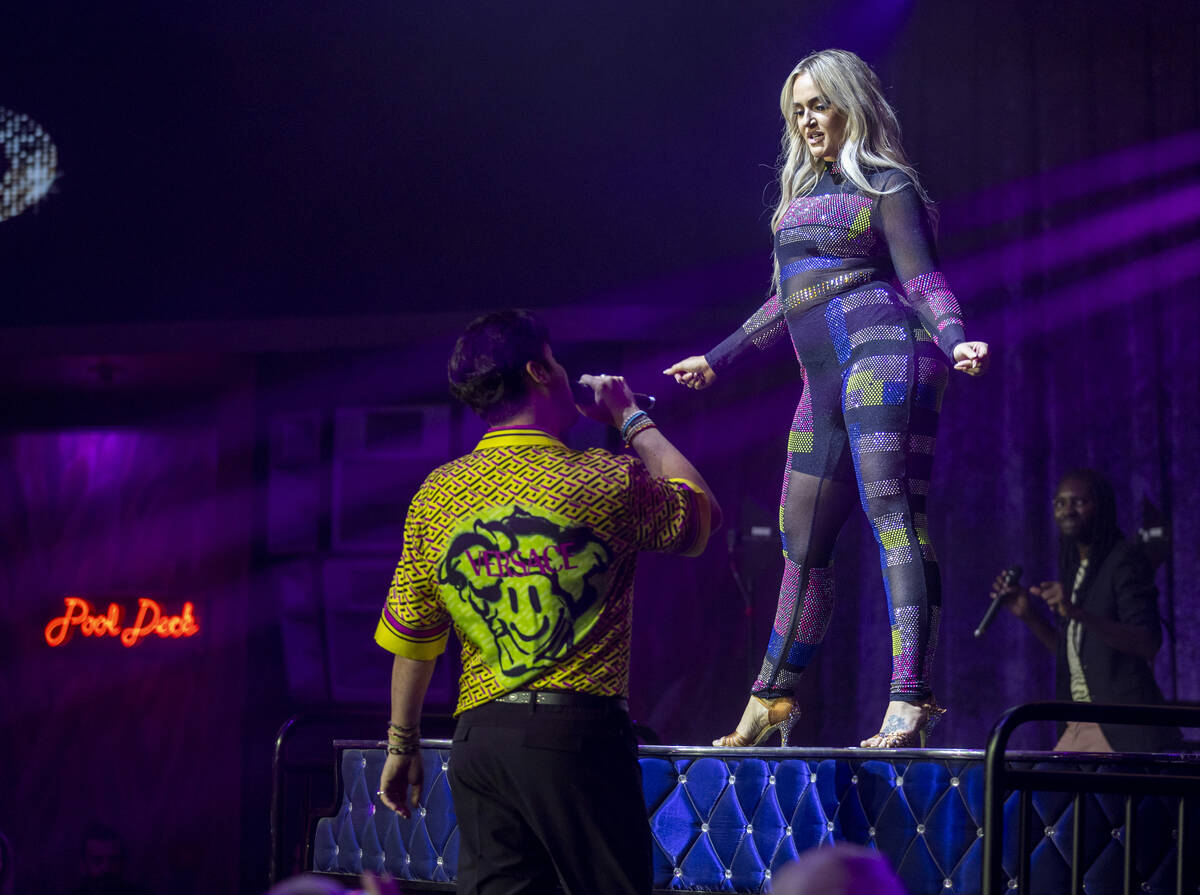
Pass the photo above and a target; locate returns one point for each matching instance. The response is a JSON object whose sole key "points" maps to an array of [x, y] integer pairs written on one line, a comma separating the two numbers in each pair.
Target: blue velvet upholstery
{"points": [[725, 820]]}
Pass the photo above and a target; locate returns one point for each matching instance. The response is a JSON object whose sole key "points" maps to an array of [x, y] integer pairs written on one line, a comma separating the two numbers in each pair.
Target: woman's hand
{"points": [[694, 372], [971, 357]]}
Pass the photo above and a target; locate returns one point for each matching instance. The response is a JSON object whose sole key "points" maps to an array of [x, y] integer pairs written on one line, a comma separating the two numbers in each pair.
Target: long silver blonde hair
{"points": [[871, 138]]}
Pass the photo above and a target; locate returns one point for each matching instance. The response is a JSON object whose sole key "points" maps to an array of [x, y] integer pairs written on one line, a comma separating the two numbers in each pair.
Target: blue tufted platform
{"points": [[725, 819]]}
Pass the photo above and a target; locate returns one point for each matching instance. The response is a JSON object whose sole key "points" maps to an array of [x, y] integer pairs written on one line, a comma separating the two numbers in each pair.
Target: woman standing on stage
{"points": [[852, 221]]}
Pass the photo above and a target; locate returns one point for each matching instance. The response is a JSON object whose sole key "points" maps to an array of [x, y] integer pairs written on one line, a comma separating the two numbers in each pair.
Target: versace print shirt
{"points": [[527, 548]]}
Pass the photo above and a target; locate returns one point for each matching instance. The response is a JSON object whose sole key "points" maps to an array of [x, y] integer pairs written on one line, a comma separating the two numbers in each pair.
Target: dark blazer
{"points": [[1121, 589]]}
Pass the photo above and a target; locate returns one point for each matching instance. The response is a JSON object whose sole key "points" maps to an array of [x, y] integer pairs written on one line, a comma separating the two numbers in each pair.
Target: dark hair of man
{"points": [[1106, 534], [487, 366]]}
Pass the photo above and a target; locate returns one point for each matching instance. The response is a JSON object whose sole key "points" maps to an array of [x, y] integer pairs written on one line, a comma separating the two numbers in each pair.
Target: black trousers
{"points": [[549, 793]]}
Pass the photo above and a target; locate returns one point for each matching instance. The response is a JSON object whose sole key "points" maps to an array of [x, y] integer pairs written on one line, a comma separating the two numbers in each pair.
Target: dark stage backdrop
{"points": [[268, 223], [143, 736]]}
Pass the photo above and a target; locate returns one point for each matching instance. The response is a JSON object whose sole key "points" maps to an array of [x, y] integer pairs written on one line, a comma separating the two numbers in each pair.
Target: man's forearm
{"points": [[664, 460], [402, 777], [1042, 629], [410, 680]]}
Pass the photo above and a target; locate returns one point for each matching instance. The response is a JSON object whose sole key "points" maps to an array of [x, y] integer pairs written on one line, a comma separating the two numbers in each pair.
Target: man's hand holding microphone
{"points": [[1007, 591]]}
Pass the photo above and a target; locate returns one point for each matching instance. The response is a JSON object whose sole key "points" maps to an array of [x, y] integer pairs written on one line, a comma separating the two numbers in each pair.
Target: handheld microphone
{"points": [[1010, 577], [585, 396]]}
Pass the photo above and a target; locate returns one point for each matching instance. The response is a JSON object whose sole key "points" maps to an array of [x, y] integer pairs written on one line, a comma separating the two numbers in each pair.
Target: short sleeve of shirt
{"points": [[414, 623], [665, 515]]}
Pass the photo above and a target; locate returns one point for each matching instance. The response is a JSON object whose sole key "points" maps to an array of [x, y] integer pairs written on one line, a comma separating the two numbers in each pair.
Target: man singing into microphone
{"points": [[527, 548], [1107, 627]]}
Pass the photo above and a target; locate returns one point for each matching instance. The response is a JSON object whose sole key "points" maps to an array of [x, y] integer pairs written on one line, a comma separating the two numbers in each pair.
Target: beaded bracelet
{"points": [[633, 419], [403, 739], [638, 429]]}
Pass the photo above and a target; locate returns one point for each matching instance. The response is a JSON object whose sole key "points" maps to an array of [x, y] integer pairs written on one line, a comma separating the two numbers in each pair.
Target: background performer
{"points": [[528, 548], [852, 219], [1108, 628]]}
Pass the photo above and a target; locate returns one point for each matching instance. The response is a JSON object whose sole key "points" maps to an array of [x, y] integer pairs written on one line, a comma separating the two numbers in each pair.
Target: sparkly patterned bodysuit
{"points": [[875, 366]]}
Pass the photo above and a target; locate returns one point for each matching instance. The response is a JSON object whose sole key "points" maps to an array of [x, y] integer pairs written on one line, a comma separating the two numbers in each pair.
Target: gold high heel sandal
{"points": [[761, 718], [930, 714]]}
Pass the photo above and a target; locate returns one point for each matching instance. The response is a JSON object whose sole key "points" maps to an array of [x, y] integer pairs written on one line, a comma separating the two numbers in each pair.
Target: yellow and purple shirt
{"points": [[527, 547]]}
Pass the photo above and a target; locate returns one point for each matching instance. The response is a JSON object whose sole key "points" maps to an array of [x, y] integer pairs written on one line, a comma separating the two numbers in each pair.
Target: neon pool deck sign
{"points": [[149, 621]]}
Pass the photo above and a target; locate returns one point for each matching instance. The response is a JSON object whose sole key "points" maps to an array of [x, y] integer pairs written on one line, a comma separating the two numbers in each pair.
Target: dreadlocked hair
{"points": [[1106, 534]]}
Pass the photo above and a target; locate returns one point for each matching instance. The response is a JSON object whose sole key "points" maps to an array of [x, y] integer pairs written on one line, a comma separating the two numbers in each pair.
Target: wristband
{"points": [[637, 429], [403, 739], [633, 420]]}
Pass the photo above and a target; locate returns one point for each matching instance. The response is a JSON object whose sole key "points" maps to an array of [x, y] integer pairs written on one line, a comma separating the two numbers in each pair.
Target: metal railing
{"points": [[1000, 778]]}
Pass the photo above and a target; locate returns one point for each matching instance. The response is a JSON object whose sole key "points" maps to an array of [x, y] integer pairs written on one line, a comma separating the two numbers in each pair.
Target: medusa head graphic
{"points": [[525, 586]]}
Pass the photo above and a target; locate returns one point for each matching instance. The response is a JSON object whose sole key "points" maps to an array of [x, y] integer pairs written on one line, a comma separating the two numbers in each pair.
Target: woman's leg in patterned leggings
{"points": [[910, 572], [812, 512], [892, 447], [891, 407]]}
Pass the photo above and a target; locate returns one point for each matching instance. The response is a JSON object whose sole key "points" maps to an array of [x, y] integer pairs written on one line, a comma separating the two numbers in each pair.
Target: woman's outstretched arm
{"points": [[904, 224]]}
